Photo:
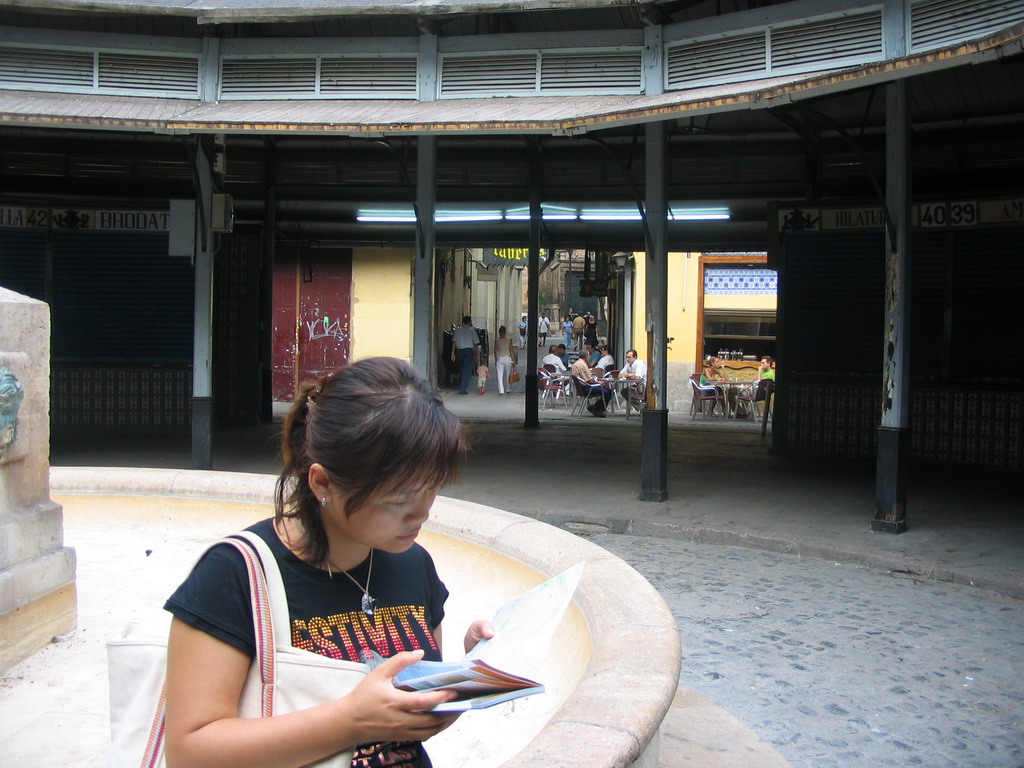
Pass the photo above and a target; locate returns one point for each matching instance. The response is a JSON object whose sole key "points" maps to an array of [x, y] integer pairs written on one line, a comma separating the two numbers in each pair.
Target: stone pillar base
{"points": [[32, 626]]}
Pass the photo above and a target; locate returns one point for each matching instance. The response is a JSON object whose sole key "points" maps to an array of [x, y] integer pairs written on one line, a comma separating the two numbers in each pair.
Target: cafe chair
{"points": [[550, 389], [753, 396], [616, 399], [586, 394], [702, 395]]}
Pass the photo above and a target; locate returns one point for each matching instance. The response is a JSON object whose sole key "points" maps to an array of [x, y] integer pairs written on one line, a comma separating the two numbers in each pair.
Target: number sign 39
{"points": [[958, 214]]}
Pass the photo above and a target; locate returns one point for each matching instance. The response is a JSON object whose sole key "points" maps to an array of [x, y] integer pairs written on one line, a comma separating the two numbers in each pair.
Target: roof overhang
{"points": [[515, 115], [246, 11]]}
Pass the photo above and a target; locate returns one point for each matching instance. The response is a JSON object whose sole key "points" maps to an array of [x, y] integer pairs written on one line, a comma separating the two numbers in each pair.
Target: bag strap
{"points": [[262, 612], [264, 594], [276, 593]]}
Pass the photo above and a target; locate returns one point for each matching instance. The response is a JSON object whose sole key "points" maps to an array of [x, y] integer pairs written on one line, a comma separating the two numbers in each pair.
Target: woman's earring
{"points": [[323, 502]]}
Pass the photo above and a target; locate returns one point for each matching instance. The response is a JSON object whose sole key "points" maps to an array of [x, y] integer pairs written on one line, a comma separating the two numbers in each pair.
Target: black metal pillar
{"points": [[202, 318], [532, 416], [654, 445], [893, 434], [423, 260], [266, 404]]}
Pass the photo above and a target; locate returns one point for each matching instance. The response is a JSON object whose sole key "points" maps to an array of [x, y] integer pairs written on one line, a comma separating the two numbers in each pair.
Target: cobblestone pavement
{"points": [[840, 665]]}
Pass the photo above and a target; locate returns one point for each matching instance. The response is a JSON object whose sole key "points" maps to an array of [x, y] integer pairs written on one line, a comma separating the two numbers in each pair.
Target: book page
{"points": [[524, 626], [523, 629]]}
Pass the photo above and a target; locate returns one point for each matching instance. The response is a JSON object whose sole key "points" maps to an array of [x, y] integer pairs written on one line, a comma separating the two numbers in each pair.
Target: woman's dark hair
{"points": [[375, 426]]}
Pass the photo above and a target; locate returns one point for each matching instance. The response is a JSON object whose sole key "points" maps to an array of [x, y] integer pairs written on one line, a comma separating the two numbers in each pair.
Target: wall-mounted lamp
{"points": [[621, 259]]}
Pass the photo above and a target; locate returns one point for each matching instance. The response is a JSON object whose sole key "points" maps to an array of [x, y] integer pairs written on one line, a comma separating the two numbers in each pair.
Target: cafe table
{"points": [[724, 388], [618, 387]]}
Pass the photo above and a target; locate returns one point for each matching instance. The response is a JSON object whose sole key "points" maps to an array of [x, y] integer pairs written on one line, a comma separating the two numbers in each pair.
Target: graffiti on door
{"points": [[324, 328]]}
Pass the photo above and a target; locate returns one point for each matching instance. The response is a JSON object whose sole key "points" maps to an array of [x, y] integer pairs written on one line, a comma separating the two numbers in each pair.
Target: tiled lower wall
{"points": [[983, 428], [155, 398]]}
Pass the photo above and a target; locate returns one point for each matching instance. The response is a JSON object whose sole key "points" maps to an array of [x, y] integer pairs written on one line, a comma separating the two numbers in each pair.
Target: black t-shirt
{"points": [[325, 613]]}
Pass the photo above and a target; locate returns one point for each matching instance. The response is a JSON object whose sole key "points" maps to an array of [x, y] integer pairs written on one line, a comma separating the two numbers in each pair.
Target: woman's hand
{"points": [[382, 712], [204, 682], [481, 629]]}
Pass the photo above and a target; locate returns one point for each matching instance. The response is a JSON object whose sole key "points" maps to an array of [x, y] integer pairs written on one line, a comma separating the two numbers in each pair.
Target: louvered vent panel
{"points": [[487, 75], [163, 74], [938, 22], [33, 164], [246, 172], [165, 170], [600, 72], [721, 59], [371, 173], [243, 78], [368, 77], [297, 173], [86, 167], [818, 43], [497, 173], [27, 67]]}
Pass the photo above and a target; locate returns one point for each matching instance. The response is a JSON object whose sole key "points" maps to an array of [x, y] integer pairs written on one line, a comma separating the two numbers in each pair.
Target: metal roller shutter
{"points": [[119, 298], [23, 262]]}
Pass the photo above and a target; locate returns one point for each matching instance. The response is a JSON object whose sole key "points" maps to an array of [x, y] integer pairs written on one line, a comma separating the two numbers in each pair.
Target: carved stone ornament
{"points": [[11, 395]]}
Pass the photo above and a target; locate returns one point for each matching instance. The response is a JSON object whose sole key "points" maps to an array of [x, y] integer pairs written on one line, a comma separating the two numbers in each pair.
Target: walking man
{"points": [[543, 326], [465, 352]]}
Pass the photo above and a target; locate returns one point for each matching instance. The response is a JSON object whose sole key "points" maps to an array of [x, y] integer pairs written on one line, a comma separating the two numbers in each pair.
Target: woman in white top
{"points": [[505, 357], [606, 362]]}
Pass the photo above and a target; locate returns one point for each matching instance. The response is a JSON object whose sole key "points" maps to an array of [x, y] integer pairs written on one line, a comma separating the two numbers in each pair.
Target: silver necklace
{"points": [[368, 604]]}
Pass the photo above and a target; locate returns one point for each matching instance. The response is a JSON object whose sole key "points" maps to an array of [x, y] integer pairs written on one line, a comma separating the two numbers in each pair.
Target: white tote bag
{"points": [[281, 678]]}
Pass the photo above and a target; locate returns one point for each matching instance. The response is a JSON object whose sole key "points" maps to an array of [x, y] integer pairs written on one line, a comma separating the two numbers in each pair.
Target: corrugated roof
{"points": [[549, 115], [250, 10]]}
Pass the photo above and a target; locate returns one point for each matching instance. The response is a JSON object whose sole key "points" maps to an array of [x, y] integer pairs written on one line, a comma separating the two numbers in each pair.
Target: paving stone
{"points": [[843, 665]]}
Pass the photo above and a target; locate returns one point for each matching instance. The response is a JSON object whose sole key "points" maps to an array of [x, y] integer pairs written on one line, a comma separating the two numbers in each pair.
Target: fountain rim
{"points": [[612, 716]]}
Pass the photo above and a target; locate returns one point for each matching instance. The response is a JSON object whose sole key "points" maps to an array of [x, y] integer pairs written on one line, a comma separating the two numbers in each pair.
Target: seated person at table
{"points": [[635, 369], [552, 358], [605, 362], [581, 368], [764, 372], [563, 354], [591, 354], [712, 371]]}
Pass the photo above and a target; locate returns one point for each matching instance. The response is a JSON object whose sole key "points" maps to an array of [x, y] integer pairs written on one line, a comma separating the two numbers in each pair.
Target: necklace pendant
{"points": [[369, 605]]}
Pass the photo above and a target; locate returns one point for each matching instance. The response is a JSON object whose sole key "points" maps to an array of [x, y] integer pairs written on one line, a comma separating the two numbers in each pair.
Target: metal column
{"points": [[893, 432], [654, 449], [531, 418], [202, 318], [423, 261]]}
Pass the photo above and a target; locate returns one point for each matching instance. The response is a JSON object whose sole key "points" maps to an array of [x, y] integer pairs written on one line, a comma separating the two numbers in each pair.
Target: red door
{"points": [[312, 310]]}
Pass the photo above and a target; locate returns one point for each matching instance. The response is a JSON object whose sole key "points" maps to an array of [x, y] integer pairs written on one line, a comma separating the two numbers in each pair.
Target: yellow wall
{"points": [[684, 291], [681, 305], [381, 303], [683, 295]]}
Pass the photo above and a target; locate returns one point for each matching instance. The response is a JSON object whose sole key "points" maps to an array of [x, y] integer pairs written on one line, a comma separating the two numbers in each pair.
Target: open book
{"points": [[530, 618]]}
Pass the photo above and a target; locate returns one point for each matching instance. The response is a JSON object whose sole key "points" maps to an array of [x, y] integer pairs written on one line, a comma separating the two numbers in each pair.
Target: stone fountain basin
{"points": [[612, 666]]}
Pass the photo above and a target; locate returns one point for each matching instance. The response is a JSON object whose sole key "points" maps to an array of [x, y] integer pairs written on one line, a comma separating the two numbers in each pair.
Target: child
{"points": [[482, 372], [366, 450]]}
